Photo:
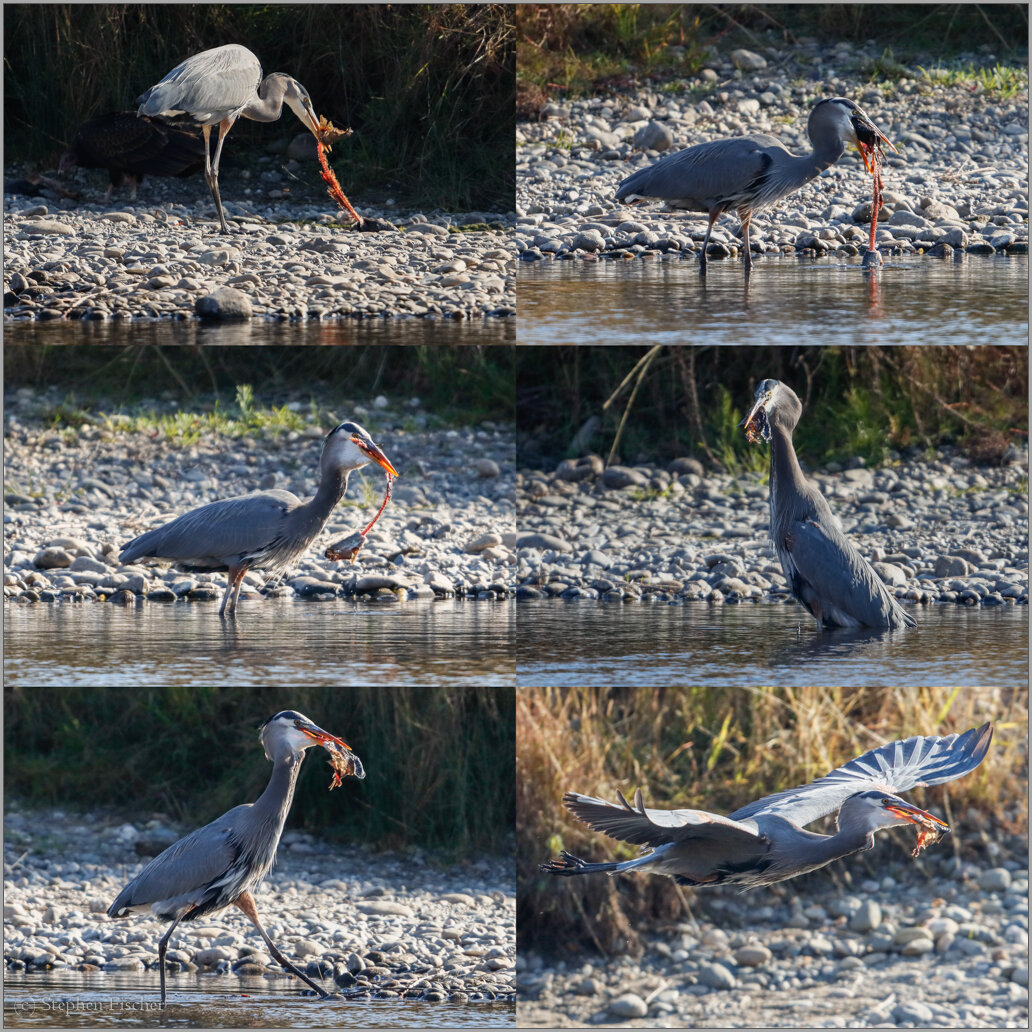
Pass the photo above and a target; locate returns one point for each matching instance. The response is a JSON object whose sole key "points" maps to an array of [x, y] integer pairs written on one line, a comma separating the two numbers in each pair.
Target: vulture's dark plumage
{"points": [[131, 146]]}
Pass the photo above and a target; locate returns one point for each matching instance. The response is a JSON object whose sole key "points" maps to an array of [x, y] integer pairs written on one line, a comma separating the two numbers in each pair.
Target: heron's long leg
{"points": [[246, 904], [162, 946], [212, 174], [234, 576], [713, 216], [746, 219]]}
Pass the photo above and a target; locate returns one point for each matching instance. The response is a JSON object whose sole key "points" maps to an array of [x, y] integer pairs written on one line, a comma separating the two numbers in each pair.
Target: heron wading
{"points": [[265, 530], [224, 862], [746, 174], [766, 842], [825, 572], [215, 88]]}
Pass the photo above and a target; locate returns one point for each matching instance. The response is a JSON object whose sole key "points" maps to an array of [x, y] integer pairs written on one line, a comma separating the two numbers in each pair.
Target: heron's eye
{"points": [[297, 723]]}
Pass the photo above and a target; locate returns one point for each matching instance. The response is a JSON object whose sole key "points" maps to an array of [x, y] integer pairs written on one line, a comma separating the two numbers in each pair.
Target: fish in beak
{"points": [[868, 138], [930, 828], [343, 760], [756, 426], [375, 454]]}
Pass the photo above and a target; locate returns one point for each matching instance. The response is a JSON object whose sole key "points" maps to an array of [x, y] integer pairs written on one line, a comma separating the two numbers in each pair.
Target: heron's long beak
{"points": [[376, 455], [915, 815], [321, 737], [305, 114], [756, 426], [867, 134]]}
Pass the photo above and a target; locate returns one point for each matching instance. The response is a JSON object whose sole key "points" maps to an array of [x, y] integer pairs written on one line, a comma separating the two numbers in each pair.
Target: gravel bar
{"points": [[281, 261], [935, 531], [945, 946], [382, 925], [958, 186], [74, 497]]}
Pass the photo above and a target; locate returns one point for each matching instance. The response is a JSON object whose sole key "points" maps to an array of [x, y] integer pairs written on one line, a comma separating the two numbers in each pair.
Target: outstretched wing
{"points": [[646, 827], [896, 767]]}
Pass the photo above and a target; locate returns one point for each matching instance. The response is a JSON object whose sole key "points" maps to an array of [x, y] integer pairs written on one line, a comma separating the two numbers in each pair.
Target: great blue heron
{"points": [[219, 86], [825, 572], [131, 146], [225, 861], [765, 842], [264, 530], [746, 174]]}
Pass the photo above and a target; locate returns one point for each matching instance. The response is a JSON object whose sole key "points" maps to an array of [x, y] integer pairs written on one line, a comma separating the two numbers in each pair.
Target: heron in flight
{"points": [[766, 841], [225, 861], [746, 174], [825, 572], [264, 530], [216, 87]]}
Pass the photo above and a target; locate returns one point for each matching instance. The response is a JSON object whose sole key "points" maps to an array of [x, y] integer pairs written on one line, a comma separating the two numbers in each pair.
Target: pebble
{"points": [[629, 1005], [996, 879]]}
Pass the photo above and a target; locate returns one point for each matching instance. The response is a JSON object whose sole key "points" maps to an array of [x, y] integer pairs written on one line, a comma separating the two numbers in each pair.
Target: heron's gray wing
{"points": [[647, 827], [836, 579], [209, 86], [185, 870], [214, 533], [897, 766], [707, 174]]}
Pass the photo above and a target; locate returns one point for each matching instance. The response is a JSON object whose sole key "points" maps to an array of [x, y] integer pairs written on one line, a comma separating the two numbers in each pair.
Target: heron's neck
{"points": [[825, 154], [268, 106], [274, 803], [784, 466], [331, 490], [833, 847]]}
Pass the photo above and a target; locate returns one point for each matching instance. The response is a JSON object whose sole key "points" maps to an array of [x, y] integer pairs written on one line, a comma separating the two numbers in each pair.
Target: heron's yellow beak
{"points": [[915, 815], [321, 737], [756, 427], [376, 455], [867, 137]]}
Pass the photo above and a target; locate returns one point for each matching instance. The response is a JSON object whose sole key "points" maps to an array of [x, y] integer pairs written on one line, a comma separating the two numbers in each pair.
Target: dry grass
{"points": [[717, 749]]}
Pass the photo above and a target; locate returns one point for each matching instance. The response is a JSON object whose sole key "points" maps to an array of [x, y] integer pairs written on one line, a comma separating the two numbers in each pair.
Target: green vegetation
{"points": [[438, 761], [429, 89], [579, 48], [187, 391], [689, 400], [717, 749]]}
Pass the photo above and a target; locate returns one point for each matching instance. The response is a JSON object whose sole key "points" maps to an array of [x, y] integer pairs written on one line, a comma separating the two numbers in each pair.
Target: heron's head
{"points": [[774, 402], [295, 96], [852, 124], [349, 447], [880, 809], [290, 733]]}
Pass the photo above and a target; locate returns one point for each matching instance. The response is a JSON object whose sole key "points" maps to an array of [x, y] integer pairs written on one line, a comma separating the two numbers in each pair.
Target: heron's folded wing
{"points": [[227, 528], [187, 868], [837, 572], [648, 827], [897, 766]]}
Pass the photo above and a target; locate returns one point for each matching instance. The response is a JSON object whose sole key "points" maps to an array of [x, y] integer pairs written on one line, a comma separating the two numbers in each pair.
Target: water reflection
{"points": [[603, 644], [106, 1000], [907, 301], [272, 641]]}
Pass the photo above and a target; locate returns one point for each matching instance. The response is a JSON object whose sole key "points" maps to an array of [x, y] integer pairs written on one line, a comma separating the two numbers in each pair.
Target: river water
{"points": [[283, 641], [786, 301], [106, 1000], [601, 644]]}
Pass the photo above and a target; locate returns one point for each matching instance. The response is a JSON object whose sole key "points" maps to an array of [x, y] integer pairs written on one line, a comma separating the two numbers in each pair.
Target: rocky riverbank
{"points": [[162, 257], [942, 531], [958, 186], [75, 496], [946, 947], [383, 925]]}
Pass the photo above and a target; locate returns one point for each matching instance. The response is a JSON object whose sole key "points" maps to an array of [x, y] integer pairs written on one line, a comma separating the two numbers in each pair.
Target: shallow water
{"points": [[787, 301], [103, 1000], [271, 641], [342, 331], [601, 644]]}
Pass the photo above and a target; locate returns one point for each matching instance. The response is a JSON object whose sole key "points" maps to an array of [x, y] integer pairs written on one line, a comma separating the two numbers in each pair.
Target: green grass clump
{"points": [[717, 749]]}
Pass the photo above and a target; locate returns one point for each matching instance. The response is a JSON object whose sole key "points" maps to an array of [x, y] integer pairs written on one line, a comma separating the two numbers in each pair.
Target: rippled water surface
{"points": [[272, 642], [590, 643], [75, 1000], [787, 301]]}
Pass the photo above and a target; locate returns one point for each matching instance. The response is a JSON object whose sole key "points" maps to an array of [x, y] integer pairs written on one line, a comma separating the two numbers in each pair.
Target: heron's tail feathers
{"points": [[567, 864]]}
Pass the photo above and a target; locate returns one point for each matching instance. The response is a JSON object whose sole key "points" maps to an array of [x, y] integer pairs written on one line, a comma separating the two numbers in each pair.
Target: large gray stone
{"points": [[225, 305], [621, 476], [545, 542], [52, 559], [654, 136], [747, 61], [716, 976], [628, 1006]]}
